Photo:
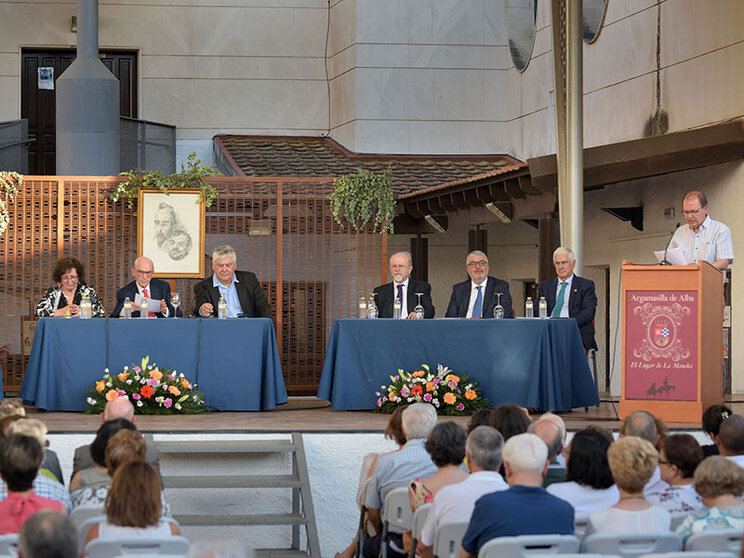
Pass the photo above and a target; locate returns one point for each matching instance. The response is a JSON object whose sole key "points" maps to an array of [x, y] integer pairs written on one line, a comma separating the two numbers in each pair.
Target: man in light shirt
{"points": [[476, 297], [701, 237], [401, 266], [571, 296]]}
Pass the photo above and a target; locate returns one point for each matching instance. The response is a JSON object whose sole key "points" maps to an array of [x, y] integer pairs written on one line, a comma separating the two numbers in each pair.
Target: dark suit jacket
{"points": [[460, 299], [582, 303], [158, 290], [385, 296], [250, 294]]}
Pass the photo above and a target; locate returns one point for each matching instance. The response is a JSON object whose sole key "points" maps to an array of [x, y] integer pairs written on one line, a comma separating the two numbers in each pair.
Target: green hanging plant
{"points": [[9, 183], [362, 197], [191, 176]]}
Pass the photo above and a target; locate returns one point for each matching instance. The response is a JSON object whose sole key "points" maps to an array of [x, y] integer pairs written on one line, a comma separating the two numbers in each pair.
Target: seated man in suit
{"points": [[145, 285], [578, 300], [240, 289], [470, 299], [402, 285]]}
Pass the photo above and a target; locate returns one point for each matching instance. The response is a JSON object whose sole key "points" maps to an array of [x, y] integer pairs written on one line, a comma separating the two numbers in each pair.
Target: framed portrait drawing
{"points": [[170, 231]]}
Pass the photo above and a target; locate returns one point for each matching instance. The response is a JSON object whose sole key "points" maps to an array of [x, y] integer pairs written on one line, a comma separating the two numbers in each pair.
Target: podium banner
{"points": [[661, 349]]}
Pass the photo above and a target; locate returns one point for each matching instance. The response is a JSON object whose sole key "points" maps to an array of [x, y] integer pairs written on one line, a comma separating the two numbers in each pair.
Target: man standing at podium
{"points": [[571, 296], [701, 237], [402, 285]]}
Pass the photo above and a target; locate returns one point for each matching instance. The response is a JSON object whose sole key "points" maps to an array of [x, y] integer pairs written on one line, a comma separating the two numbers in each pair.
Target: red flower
{"points": [[417, 390], [147, 391]]}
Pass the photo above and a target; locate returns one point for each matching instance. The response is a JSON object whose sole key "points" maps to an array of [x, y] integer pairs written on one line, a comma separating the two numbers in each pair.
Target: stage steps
{"points": [[297, 479]]}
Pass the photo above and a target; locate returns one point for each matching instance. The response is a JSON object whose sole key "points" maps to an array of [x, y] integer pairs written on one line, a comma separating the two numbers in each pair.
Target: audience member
{"points": [[97, 475], [712, 419], [589, 485], [549, 433], [632, 462], [49, 534], [455, 502], [558, 421], [37, 429], [644, 425], [510, 420], [481, 417], [5, 423], [679, 455], [731, 439], [20, 460], [12, 406], [119, 407], [525, 508], [397, 469], [133, 505], [720, 483]]}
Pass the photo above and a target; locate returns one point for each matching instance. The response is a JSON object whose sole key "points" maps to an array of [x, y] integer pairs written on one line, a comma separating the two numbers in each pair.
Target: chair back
{"points": [[9, 546], [84, 527], [361, 530], [677, 519], [419, 518], [448, 539], [396, 511], [632, 544], [527, 545], [581, 520], [724, 540], [177, 547], [686, 554], [81, 513]]}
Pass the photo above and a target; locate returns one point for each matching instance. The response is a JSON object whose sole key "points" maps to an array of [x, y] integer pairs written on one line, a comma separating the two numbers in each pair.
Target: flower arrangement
{"points": [[9, 184], [449, 393], [151, 389]]}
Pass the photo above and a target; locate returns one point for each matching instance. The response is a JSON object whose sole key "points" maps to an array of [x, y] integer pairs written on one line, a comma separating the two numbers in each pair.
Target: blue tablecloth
{"points": [[531, 362], [234, 362]]}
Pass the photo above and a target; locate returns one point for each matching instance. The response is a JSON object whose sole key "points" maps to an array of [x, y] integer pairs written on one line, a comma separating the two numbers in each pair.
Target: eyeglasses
{"points": [[69, 278], [692, 211], [479, 262]]}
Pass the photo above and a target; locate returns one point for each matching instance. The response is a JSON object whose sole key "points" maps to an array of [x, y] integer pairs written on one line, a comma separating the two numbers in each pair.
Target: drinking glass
{"points": [[419, 310], [175, 302], [498, 310]]}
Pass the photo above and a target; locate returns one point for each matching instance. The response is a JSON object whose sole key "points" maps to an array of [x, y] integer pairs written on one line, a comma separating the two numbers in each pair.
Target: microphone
{"points": [[665, 262]]}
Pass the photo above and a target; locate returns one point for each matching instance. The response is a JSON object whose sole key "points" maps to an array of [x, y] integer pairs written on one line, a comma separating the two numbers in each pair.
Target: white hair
{"points": [[562, 250], [418, 420], [225, 251], [558, 421], [525, 453]]}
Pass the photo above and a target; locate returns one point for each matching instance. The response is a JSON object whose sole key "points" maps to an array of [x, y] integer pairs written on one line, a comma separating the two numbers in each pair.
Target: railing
{"points": [[14, 144], [149, 146]]}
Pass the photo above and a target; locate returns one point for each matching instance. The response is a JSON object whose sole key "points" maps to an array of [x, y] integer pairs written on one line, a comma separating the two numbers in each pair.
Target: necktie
{"points": [[478, 306], [559, 301], [400, 296], [147, 296]]}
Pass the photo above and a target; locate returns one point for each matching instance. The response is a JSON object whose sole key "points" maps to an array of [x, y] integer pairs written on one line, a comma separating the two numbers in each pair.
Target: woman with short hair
{"points": [[64, 298], [679, 456]]}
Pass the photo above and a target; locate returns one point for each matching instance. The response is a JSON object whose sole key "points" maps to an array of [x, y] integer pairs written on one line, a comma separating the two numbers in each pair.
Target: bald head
{"points": [[642, 425], [119, 407], [549, 433], [142, 271]]}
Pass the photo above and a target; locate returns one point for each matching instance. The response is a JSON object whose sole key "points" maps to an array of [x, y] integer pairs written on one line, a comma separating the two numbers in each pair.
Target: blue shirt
{"points": [[521, 510], [230, 294], [46, 488]]}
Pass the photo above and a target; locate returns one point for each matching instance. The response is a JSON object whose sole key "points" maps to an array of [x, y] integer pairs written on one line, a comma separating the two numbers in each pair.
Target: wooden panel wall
{"points": [[321, 268]]}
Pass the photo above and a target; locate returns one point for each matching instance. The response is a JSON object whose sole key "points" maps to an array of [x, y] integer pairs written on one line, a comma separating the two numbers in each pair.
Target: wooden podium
{"points": [[672, 340]]}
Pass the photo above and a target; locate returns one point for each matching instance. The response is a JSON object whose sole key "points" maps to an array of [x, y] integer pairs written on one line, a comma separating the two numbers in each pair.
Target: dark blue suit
{"points": [[582, 304], [385, 297], [460, 299], [157, 289]]}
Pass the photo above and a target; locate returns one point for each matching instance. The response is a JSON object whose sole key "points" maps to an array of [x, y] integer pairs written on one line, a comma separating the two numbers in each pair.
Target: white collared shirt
{"points": [[566, 295], [149, 296], [712, 242], [404, 300], [474, 295]]}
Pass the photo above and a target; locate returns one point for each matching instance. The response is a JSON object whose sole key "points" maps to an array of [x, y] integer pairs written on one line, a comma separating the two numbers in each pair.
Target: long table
{"points": [[234, 362], [531, 362]]}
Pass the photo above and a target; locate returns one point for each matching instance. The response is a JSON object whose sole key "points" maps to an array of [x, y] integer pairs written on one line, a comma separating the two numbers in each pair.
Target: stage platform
{"points": [[307, 414]]}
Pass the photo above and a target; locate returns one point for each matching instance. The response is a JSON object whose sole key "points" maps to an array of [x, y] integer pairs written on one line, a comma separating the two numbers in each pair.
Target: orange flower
{"points": [[111, 394], [146, 391], [123, 376], [392, 395], [418, 373], [450, 398], [185, 383], [174, 390], [430, 386], [470, 394], [157, 374], [100, 386], [452, 378]]}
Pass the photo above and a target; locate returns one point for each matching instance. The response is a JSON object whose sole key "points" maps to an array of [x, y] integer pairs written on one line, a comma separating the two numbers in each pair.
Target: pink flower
{"points": [[379, 402], [404, 392], [136, 396], [122, 392], [427, 397], [153, 382], [460, 407], [137, 369], [167, 403]]}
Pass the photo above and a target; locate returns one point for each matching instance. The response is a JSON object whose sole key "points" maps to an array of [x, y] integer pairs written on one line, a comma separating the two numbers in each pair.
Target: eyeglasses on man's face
{"points": [[477, 263]]}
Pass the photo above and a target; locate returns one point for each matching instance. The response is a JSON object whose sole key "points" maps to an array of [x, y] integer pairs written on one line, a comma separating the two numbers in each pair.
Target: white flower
{"points": [[409, 399], [435, 402], [139, 403], [160, 399], [108, 384], [106, 370], [91, 401], [177, 406], [196, 399]]}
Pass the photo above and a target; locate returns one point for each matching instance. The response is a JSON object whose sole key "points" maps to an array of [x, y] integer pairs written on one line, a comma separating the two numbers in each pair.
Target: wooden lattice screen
{"points": [[321, 268]]}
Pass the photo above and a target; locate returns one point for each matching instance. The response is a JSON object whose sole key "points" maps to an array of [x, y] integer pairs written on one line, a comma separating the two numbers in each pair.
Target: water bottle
{"points": [[127, 309], [362, 307], [222, 308], [543, 305], [143, 307], [397, 307], [86, 311], [529, 308], [372, 312]]}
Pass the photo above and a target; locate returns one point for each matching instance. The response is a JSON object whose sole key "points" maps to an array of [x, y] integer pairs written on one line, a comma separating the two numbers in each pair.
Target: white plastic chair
{"points": [[687, 554], [632, 544], [81, 513], [396, 512], [88, 523], [527, 545], [137, 546], [448, 539], [361, 531], [677, 519], [724, 540], [419, 518], [8, 546], [581, 520]]}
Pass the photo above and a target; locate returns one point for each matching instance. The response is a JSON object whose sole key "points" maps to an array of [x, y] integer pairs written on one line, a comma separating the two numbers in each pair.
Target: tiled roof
{"points": [[322, 157]]}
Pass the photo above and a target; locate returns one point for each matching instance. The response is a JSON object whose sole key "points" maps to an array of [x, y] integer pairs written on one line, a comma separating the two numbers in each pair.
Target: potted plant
{"points": [[362, 197], [9, 183]]}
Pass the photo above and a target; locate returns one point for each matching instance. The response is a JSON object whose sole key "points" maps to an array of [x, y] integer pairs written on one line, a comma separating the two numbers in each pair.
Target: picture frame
{"points": [[170, 231]]}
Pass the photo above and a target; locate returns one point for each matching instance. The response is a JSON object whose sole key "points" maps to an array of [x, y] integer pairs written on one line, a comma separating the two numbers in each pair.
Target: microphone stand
{"points": [[665, 261]]}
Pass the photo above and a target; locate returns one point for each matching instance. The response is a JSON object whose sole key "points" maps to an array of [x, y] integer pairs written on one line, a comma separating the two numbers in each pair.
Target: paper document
{"points": [[675, 256], [153, 305]]}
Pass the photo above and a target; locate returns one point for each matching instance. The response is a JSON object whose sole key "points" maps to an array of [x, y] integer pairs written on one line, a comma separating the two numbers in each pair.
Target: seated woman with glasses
{"points": [[64, 298]]}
